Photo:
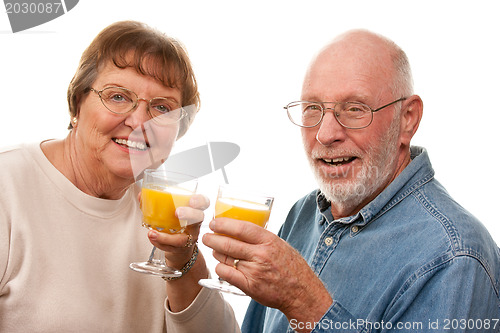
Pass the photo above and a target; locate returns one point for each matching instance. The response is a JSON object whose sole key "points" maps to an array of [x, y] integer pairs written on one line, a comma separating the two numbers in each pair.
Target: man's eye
{"points": [[312, 108], [356, 109]]}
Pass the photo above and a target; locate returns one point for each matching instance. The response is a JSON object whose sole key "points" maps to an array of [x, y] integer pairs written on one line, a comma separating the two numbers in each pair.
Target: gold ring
{"points": [[189, 241], [235, 263]]}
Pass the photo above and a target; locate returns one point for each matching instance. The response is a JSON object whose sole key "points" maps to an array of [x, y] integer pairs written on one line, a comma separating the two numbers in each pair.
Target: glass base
{"points": [[221, 285], [179, 230], [148, 267]]}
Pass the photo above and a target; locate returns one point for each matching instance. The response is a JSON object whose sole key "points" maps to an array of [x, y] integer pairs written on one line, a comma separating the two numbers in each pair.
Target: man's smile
{"points": [[338, 161]]}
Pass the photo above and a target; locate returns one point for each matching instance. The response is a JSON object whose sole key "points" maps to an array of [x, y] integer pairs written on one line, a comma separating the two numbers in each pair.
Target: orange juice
{"points": [[158, 208], [242, 210]]}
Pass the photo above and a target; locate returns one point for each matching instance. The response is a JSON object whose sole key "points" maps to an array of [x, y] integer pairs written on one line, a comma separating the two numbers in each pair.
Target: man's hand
{"points": [[269, 269]]}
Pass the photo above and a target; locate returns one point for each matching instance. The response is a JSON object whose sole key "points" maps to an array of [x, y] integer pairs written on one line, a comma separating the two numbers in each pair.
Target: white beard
{"points": [[347, 195]]}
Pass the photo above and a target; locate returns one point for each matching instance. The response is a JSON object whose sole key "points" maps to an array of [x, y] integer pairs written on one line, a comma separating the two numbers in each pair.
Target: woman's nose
{"points": [[139, 115]]}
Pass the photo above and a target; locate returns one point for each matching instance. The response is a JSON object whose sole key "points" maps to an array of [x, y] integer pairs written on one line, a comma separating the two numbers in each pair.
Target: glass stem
{"points": [[156, 257]]}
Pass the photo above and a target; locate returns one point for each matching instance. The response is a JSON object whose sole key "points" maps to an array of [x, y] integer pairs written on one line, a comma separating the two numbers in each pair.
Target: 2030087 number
{"points": [[471, 324], [33, 8]]}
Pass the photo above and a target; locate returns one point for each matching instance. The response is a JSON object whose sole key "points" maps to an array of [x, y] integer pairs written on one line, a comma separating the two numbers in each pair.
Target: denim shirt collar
{"points": [[417, 173]]}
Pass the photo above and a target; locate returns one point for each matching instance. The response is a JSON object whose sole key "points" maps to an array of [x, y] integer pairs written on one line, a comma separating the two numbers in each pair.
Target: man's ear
{"points": [[411, 114]]}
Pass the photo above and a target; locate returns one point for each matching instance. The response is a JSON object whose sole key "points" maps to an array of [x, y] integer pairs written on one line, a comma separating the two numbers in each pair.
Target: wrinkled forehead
{"points": [[347, 66]]}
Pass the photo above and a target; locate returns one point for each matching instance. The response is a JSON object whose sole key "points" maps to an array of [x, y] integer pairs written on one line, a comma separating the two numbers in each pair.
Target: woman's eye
{"points": [[162, 108], [117, 95], [118, 98]]}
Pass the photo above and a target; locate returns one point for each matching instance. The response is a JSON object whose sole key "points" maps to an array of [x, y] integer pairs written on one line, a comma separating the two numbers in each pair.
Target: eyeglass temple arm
{"points": [[398, 100]]}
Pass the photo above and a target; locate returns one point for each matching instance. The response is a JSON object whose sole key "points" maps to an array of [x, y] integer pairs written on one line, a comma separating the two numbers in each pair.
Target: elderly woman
{"points": [[69, 215]]}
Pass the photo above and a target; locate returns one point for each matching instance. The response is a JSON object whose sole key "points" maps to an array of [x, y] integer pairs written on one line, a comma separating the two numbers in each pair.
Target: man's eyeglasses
{"points": [[121, 101], [353, 115]]}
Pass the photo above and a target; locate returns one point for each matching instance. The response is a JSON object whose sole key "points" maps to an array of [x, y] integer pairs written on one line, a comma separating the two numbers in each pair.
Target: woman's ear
{"points": [[411, 114]]}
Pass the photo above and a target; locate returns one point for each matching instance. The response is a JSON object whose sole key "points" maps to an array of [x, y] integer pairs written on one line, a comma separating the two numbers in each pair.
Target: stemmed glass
{"points": [[239, 204], [161, 194]]}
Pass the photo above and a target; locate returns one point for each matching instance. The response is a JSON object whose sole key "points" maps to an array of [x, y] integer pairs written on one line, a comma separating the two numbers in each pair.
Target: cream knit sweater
{"points": [[64, 259]]}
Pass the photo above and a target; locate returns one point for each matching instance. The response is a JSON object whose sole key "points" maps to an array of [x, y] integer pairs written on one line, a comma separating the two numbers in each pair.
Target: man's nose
{"points": [[330, 130]]}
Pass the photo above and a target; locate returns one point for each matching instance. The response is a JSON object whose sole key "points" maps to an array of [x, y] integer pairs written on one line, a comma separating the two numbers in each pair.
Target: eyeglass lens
{"points": [[349, 114], [121, 100]]}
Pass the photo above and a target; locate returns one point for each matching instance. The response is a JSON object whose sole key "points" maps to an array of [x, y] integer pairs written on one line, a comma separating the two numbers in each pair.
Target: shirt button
{"points": [[329, 241], [354, 228]]}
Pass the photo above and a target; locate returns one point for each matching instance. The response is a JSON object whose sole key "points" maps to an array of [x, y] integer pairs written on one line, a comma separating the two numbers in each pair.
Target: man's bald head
{"points": [[362, 46]]}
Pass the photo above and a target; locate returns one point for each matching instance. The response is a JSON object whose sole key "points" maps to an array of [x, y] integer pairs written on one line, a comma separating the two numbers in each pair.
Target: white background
{"points": [[250, 58]]}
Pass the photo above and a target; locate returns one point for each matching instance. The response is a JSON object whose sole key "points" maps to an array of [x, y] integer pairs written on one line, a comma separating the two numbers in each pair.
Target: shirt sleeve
{"points": [[208, 313], [4, 250], [458, 295], [254, 318]]}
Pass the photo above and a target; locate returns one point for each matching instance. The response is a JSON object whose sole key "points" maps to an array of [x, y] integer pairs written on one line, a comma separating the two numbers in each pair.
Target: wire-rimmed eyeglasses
{"points": [[352, 115], [121, 100]]}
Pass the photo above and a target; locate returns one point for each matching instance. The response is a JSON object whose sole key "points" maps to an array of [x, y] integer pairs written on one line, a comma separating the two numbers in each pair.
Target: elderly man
{"points": [[381, 245]]}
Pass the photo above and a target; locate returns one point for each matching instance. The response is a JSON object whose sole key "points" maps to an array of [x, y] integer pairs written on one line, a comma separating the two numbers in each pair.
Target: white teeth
{"points": [[131, 144], [337, 160]]}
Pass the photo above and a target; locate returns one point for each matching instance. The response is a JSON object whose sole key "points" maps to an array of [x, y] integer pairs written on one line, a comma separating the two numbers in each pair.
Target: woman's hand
{"points": [[178, 250], [179, 247]]}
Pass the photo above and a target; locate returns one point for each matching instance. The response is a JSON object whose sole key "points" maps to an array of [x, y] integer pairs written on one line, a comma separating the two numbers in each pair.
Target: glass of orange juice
{"points": [[239, 204], [161, 194]]}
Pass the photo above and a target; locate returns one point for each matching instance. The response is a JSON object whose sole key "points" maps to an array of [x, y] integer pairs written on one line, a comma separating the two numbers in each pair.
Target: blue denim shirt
{"points": [[412, 260]]}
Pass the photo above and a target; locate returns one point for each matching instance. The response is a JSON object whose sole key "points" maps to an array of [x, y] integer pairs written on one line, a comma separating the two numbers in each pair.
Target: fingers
{"points": [[194, 213], [226, 249], [245, 231], [174, 243], [224, 259], [234, 275], [246, 240], [178, 248], [199, 201], [232, 270]]}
